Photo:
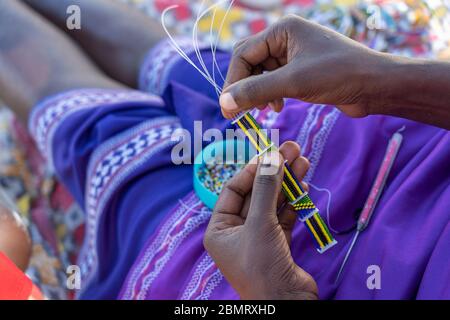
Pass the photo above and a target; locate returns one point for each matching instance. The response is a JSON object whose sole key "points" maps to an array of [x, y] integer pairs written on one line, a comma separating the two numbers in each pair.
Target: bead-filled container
{"points": [[215, 165]]}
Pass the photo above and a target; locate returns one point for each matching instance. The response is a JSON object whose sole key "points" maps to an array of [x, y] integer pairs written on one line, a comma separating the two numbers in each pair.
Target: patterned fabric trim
{"points": [[314, 134], [266, 117], [154, 74], [319, 141], [205, 279], [51, 113], [310, 121], [109, 167], [182, 222]]}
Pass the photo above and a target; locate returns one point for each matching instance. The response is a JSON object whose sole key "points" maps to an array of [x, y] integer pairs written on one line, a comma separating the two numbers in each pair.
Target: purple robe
{"points": [[144, 223]]}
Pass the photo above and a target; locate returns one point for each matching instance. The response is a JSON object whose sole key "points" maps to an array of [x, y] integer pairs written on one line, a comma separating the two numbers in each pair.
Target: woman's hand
{"points": [[312, 63], [304, 61], [250, 231]]}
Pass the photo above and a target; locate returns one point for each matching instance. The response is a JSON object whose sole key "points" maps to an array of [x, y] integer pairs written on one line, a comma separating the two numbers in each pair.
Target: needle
{"points": [[347, 255]]}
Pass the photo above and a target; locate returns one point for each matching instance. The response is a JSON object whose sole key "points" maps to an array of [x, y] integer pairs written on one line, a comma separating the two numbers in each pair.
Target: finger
{"points": [[287, 218], [229, 115], [254, 50], [257, 90], [290, 152], [261, 49], [265, 192], [246, 55], [277, 105], [234, 192], [268, 65], [354, 110], [271, 64], [246, 206], [305, 186], [300, 167], [242, 41]]}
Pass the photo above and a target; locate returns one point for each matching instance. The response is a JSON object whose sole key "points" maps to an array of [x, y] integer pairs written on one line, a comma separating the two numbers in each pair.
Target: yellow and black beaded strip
{"points": [[296, 195], [254, 132]]}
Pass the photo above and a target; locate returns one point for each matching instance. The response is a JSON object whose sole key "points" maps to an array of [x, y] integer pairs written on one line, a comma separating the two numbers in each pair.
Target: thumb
{"points": [[255, 91], [265, 192]]}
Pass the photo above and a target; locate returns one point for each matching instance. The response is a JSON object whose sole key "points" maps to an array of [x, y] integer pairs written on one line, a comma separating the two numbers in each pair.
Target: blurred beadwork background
{"points": [[412, 28]]}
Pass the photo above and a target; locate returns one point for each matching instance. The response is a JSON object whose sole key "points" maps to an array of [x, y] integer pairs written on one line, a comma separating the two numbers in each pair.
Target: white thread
{"points": [[265, 150], [217, 39], [328, 205], [328, 246], [195, 40], [180, 51], [186, 207], [212, 46], [401, 129], [205, 72]]}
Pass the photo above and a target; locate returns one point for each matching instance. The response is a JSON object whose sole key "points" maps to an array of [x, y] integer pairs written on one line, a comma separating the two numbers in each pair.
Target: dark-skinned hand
{"points": [[297, 58], [303, 60], [250, 230]]}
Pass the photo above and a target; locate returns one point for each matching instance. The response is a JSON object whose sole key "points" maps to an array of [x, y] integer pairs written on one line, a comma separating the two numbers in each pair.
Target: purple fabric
{"points": [[145, 224]]}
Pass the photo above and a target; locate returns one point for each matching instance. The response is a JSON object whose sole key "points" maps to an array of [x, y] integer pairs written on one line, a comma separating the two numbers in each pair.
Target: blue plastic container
{"points": [[235, 149]]}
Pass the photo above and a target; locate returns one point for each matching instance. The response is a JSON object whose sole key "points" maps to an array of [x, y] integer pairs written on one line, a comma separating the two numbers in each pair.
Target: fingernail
{"points": [[270, 163], [228, 103]]}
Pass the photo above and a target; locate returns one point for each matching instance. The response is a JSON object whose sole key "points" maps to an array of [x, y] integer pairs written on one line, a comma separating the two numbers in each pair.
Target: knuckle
{"points": [[237, 50], [236, 187], [289, 19], [266, 180], [238, 45], [231, 184], [291, 23]]}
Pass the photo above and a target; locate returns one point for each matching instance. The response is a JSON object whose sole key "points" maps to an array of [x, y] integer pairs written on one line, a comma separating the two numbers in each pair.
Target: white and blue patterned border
{"points": [[318, 139], [51, 113], [155, 70], [205, 272], [130, 291], [109, 167], [187, 217], [212, 283], [310, 121]]}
